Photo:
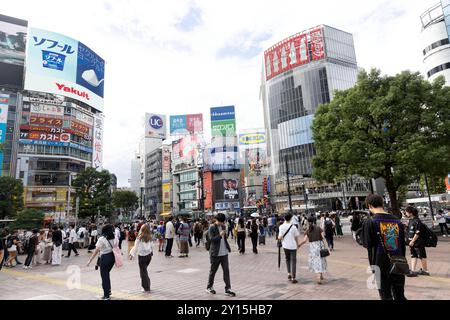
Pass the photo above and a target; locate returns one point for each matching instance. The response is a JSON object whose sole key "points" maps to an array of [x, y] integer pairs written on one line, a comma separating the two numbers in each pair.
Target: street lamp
{"points": [[288, 183]]}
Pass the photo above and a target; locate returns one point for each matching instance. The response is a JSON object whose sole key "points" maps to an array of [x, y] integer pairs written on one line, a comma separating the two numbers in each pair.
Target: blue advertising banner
{"points": [[178, 124], [223, 113], [55, 144], [61, 65], [3, 120]]}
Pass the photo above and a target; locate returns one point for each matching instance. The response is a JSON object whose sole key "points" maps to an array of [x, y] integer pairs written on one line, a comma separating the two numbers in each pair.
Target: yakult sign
{"points": [[61, 65], [155, 126]]}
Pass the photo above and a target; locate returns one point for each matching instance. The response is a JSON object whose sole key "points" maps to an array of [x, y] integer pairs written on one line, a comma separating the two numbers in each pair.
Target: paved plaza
{"points": [[253, 276]]}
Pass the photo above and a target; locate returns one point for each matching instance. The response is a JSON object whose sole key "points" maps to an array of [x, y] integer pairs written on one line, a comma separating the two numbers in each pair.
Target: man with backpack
{"points": [[30, 248], [417, 242], [218, 252], [383, 236], [329, 226]]}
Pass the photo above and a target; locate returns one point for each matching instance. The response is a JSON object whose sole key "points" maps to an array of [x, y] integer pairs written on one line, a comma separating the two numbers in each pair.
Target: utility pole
{"points": [[288, 184], [77, 208], [429, 196]]}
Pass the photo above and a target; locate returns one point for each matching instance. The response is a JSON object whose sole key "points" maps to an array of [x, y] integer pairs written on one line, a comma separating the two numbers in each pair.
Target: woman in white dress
{"points": [[315, 236]]}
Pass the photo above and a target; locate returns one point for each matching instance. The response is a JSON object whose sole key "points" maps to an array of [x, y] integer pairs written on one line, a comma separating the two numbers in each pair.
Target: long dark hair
{"points": [[241, 222], [108, 231], [312, 224]]}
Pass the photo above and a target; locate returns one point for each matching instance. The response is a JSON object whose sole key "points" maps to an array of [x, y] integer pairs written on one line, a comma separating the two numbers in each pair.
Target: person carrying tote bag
{"points": [[109, 255]]}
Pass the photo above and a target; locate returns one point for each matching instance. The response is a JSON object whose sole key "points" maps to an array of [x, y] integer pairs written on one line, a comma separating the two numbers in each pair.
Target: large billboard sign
{"points": [[61, 65], [186, 124], [97, 157], [155, 126], [226, 189], [13, 35], [223, 121], [221, 159], [294, 51], [252, 139], [4, 105], [295, 132]]}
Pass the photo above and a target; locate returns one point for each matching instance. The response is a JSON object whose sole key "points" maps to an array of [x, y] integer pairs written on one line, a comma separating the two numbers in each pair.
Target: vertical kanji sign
{"points": [[97, 156]]}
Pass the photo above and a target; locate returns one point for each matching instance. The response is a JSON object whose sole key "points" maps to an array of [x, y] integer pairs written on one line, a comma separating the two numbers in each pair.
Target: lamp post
{"points": [[429, 196], [288, 183]]}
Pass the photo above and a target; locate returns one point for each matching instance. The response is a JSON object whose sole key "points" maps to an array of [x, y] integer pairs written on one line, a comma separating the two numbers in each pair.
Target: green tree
{"points": [[11, 197], [393, 127], [126, 200], [29, 219], [92, 188]]}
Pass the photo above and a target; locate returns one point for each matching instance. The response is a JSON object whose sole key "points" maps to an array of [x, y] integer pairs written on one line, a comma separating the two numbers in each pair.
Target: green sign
{"points": [[225, 128]]}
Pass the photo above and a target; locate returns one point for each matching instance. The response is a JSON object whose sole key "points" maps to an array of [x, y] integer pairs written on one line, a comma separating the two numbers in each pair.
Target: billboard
{"points": [[61, 65], [223, 121], [13, 34], [155, 126], [233, 206], [226, 189], [252, 139], [221, 159], [293, 52], [166, 192], [295, 132], [97, 157], [166, 159], [47, 109], [256, 161], [186, 124], [4, 106], [208, 189], [185, 149]]}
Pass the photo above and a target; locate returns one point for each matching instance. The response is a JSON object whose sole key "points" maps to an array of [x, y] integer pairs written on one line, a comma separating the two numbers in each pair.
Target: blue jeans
{"points": [[270, 230]]}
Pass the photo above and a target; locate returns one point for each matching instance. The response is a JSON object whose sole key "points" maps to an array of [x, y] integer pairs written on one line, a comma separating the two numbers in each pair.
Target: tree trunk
{"points": [[392, 190]]}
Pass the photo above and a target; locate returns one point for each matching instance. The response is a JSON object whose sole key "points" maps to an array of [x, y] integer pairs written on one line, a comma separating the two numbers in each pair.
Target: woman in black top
{"points": [[254, 235]]}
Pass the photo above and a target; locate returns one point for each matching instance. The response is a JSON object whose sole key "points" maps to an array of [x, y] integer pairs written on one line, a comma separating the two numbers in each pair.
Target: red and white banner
{"points": [[36, 119], [293, 52], [317, 44]]}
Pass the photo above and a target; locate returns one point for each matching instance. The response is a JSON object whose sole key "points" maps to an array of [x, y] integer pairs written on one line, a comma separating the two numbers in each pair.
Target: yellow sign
{"points": [[61, 194], [252, 138], [166, 192]]}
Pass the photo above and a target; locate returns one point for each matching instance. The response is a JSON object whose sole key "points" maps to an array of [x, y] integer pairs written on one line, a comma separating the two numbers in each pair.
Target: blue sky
{"points": [[179, 56]]}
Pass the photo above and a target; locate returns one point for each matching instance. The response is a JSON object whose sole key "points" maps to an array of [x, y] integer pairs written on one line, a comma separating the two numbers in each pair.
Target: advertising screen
{"points": [[155, 126], [221, 159], [293, 52], [226, 189], [61, 65], [223, 121], [295, 132], [13, 34], [187, 123], [207, 188]]}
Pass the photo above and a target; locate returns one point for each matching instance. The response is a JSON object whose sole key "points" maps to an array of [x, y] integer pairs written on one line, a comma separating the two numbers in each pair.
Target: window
{"points": [[435, 45]]}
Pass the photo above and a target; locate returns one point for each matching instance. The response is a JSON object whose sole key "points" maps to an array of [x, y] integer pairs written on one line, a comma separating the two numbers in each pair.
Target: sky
{"points": [[181, 56]]}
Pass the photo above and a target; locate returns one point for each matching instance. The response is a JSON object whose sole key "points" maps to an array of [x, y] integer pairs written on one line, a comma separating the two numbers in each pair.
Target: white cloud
{"points": [[152, 66]]}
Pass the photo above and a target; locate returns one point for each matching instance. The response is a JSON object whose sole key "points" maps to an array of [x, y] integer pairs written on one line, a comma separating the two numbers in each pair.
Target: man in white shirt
{"points": [[290, 240], [72, 239], [170, 234], [295, 220], [81, 234]]}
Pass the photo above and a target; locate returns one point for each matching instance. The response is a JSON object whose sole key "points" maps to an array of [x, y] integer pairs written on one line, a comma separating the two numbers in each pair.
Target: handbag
{"points": [[399, 264], [324, 253], [118, 261], [280, 242]]}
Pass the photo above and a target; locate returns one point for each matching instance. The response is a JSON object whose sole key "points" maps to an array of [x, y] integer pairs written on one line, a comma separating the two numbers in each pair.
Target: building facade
{"points": [[299, 74], [153, 182], [436, 41]]}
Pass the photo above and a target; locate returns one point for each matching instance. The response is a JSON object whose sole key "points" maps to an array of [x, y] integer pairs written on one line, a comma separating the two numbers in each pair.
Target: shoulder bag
{"points": [[280, 242], [399, 264], [324, 252], [117, 255]]}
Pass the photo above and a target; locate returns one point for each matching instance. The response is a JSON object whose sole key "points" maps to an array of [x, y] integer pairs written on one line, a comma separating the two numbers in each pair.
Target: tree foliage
{"points": [[11, 197], [29, 219], [126, 200], [93, 190], [393, 127]]}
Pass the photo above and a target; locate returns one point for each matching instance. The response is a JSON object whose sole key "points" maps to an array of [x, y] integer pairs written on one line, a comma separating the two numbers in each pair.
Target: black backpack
{"points": [[82, 235], [328, 226], [429, 237]]}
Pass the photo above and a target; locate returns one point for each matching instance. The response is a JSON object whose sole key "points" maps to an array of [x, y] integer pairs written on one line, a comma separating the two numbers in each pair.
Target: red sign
{"points": [[194, 122], [45, 121], [266, 200], [75, 125], [447, 182], [207, 189], [317, 46], [293, 52], [58, 137]]}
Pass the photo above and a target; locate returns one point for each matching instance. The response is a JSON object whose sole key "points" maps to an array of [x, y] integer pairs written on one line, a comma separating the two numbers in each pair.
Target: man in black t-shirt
{"points": [[389, 229], [416, 243]]}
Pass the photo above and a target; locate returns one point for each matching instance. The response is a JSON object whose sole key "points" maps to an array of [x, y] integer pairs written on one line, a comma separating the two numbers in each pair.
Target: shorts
{"points": [[418, 253]]}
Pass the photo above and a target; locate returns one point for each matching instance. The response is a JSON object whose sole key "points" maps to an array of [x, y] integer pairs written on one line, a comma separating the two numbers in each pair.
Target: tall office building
{"points": [[436, 41], [300, 73]]}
